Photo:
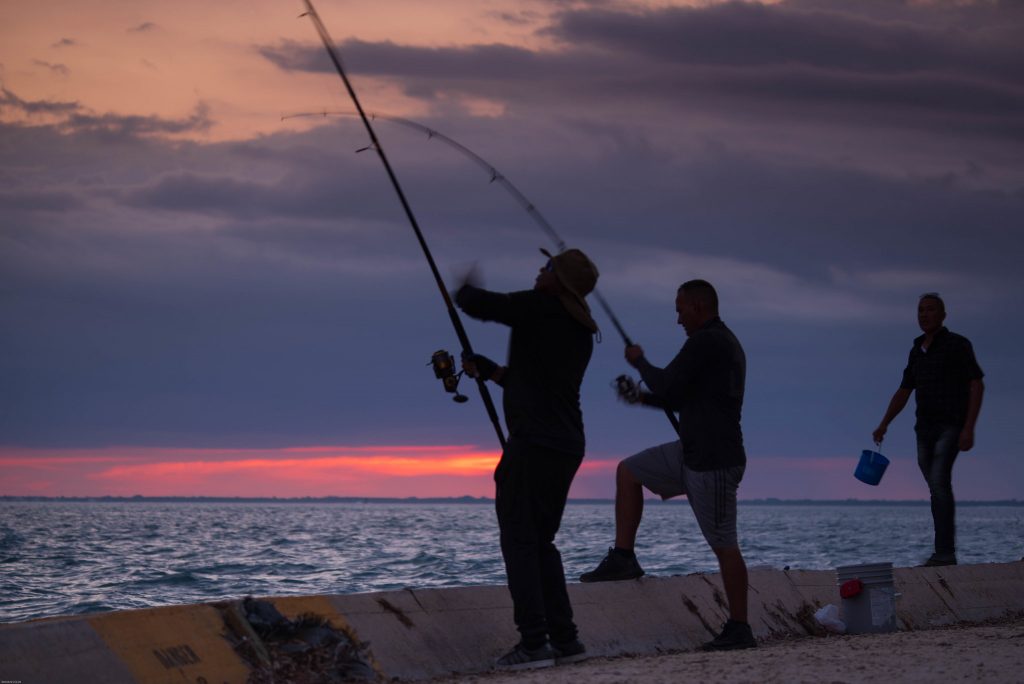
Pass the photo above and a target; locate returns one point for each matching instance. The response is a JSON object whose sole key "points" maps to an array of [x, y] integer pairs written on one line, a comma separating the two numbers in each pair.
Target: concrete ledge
{"points": [[423, 633], [932, 597]]}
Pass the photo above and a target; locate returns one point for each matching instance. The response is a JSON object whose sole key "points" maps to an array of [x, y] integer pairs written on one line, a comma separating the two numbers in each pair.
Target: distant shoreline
{"points": [[469, 500]]}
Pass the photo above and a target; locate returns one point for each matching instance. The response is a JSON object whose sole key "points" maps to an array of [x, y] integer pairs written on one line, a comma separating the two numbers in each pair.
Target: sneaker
{"points": [[522, 658], [615, 566], [938, 559], [570, 652], [734, 635]]}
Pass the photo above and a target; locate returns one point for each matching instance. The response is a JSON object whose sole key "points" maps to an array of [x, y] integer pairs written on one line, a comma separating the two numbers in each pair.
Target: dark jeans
{"points": [[937, 449], [532, 485]]}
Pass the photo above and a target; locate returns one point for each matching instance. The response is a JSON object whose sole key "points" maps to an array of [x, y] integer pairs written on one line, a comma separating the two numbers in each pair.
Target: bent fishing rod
{"points": [[442, 361], [531, 209], [496, 176]]}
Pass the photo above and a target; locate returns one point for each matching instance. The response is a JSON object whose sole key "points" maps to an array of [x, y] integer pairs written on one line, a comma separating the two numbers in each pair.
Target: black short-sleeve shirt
{"points": [[941, 377]]}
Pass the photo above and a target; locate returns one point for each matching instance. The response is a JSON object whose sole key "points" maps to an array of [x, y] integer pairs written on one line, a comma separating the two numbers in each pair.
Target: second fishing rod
{"points": [[625, 385]]}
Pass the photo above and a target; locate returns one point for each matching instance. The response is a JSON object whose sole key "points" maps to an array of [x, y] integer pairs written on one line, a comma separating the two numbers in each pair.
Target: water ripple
{"points": [[69, 558]]}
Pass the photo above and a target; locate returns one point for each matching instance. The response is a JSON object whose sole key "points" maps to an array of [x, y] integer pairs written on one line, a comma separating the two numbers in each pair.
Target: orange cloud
{"points": [[469, 464], [401, 470]]}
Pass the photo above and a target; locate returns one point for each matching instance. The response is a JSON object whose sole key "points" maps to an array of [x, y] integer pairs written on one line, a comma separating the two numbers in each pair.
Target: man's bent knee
{"points": [[625, 476]]}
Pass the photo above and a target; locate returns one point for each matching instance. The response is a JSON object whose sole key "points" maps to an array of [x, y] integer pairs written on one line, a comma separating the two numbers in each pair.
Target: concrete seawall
{"points": [[423, 633]]}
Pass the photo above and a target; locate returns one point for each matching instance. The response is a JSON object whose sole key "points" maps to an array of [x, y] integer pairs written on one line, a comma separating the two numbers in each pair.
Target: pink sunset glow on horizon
{"points": [[401, 471], [287, 472]]}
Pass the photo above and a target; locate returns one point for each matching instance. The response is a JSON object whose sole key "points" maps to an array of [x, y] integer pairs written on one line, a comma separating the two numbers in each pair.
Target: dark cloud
{"points": [[65, 42], [193, 192], [751, 34], [9, 100], [144, 27], [387, 58], [521, 18], [59, 69], [786, 63], [935, 102], [229, 196], [73, 117], [969, 15], [133, 125], [39, 200]]}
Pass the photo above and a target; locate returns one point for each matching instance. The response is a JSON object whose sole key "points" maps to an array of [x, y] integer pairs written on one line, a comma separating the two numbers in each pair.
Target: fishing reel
{"points": [[628, 389], [444, 370]]}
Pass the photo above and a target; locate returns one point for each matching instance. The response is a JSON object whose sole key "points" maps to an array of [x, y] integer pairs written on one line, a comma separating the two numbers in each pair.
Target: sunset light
{"points": [[201, 295]]}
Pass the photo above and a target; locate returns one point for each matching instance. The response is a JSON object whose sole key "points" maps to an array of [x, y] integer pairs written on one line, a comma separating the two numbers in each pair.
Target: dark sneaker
{"points": [[570, 652], [614, 567], [734, 635], [522, 658], [938, 559]]}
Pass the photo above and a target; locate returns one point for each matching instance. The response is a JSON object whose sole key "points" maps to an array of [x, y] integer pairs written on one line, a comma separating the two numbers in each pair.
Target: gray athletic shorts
{"points": [[711, 493]]}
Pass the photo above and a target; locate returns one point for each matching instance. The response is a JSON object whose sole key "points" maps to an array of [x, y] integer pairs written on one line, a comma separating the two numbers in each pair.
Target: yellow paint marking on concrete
{"points": [[294, 606], [173, 644]]}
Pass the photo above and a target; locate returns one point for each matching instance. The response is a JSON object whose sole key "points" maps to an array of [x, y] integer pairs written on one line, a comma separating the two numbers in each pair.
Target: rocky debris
{"points": [[306, 650]]}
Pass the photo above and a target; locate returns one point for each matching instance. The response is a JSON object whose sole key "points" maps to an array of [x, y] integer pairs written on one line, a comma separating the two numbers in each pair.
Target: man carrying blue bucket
{"points": [[946, 377]]}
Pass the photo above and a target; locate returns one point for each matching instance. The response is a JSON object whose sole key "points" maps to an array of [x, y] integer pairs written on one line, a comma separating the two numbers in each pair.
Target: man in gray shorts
{"points": [[704, 383]]}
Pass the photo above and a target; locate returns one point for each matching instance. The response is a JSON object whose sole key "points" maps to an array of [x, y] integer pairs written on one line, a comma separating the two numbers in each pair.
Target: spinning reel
{"points": [[627, 388], [444, 370]]}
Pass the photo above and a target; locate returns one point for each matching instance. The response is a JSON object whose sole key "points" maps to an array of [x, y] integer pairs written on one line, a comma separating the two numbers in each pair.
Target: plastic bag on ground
{"points": [[828, 617]]}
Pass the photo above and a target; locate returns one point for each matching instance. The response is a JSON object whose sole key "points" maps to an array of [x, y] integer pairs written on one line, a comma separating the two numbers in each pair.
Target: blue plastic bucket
{"points": [[871, 467]]}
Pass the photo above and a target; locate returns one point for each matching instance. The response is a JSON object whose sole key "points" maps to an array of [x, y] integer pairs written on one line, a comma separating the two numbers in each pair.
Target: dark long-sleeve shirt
{"points": [[705, 383], [548, 353]]}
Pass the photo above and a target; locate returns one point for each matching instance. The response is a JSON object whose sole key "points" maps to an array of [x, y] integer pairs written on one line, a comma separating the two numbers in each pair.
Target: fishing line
{"points": [[496, 177], [460, 331]]}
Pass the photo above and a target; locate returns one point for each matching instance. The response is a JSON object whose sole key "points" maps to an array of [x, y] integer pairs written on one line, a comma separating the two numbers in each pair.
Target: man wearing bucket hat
{"points": [[705, 383], [549, 348], [944, 374]]}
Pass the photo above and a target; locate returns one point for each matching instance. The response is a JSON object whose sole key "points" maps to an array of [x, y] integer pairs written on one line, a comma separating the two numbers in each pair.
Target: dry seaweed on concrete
{"points": [[306, 650]]}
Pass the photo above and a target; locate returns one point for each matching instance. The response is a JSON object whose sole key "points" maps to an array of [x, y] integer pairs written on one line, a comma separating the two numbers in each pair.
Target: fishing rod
{"points": [[496, 176], [441, 360], [623, 381]]}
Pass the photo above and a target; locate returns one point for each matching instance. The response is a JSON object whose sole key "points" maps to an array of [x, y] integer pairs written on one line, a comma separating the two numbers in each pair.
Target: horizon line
{"points": [[473, 499]]}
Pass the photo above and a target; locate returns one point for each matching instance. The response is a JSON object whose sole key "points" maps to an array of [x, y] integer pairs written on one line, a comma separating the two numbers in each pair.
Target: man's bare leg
{"points": [[629, 507], [734, 579], [736, 633]]}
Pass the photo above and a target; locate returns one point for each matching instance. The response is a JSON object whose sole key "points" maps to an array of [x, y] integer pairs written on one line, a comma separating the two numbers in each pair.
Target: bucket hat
{"points": [[578, 276]]}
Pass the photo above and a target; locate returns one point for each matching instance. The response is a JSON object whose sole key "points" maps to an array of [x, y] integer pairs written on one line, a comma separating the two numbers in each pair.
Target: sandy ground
{"points": [[991, 652]]}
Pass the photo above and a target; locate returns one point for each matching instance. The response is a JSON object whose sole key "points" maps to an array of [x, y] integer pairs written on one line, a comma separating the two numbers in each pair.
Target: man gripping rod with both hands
{"points": [[705, 384]]}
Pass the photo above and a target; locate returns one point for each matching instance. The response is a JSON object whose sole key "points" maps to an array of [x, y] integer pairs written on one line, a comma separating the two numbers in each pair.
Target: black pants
{"points": [[531, 487], [937, 449]]}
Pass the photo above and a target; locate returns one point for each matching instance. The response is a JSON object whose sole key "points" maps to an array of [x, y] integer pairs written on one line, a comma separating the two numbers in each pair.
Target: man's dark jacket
{"points": [[548, 353], [705, 383]]}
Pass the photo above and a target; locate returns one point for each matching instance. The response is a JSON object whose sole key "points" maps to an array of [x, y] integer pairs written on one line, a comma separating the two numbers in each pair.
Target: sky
{"points": [[202, 295]]}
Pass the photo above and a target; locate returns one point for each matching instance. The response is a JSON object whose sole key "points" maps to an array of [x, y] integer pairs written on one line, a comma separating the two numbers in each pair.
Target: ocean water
{"points": [[61, 558]]}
